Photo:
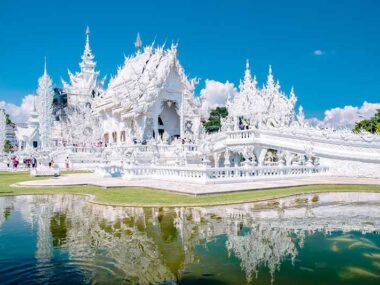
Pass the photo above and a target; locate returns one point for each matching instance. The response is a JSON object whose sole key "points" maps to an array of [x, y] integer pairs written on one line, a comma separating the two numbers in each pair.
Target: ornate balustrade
{"points": [[150, 147], [243, 134], [203, 174], [313, 135]]}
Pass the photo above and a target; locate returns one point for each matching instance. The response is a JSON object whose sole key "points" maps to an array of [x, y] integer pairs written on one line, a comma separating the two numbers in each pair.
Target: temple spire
{"points": [[43, 107], [87, 47], [87, 65], [45, 68], [247, 75], [270, 80]]}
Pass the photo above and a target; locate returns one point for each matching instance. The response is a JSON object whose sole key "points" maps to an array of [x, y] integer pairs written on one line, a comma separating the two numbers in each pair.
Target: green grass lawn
{"points": [[149, 197]]}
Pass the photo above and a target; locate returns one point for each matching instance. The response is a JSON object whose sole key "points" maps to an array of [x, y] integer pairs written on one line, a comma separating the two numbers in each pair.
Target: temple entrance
{"points": [[169, 120]]}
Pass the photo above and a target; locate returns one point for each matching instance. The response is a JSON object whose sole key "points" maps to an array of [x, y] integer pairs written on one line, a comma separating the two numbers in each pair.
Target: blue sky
{"points": [[215, 38]]}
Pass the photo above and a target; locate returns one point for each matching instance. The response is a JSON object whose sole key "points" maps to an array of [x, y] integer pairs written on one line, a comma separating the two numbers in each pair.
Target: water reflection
{"points": [[97, 244]]}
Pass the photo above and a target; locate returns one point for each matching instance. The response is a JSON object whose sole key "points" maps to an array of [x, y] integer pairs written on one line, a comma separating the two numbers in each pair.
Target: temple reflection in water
{"points": [[153, 245]]}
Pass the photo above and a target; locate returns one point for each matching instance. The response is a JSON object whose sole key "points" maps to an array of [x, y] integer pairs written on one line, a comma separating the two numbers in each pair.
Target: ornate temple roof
{"points": [[84, 84], [139, 81], [267, 106]]}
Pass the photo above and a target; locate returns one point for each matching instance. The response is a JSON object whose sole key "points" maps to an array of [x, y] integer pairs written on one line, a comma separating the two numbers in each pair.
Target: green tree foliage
{"points": [[371, 125], [7, 119], [213, 123], [7, 146]]}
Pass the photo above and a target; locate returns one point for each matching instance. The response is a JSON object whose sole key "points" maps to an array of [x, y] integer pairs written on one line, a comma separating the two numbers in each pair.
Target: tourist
{"points": [[34, 162], [15, 162]]}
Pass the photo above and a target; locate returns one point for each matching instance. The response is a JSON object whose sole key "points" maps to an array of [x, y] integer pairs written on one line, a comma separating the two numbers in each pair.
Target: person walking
{"points": [[34, 162]]}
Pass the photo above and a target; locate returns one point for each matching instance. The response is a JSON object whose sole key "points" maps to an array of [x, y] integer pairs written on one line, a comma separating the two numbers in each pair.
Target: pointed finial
{"points": [[247, 73], [138, 42], [45, 68], [270, 69], [87, 46]]}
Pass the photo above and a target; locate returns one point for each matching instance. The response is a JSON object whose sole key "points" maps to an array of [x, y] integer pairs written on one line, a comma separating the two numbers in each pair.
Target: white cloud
{"points": [[346, 116], [318, 52], [19, 114], [215, 94]]}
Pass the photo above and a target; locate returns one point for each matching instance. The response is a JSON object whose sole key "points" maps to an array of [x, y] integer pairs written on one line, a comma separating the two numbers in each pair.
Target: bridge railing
{"points": [[243, 134]]}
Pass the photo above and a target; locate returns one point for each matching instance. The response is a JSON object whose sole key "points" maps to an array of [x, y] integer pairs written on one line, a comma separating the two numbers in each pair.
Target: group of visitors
{"points": [[14, 162]]}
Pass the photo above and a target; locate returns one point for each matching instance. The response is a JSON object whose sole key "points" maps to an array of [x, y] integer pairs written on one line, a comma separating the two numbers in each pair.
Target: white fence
{"points": [[206, 175]]}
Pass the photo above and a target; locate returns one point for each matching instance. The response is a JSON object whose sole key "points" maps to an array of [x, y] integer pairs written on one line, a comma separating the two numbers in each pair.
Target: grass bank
{"points": [[134, 196]]}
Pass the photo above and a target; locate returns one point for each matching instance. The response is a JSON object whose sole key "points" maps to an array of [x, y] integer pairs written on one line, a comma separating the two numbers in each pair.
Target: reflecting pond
{"points": [[330, 238]]}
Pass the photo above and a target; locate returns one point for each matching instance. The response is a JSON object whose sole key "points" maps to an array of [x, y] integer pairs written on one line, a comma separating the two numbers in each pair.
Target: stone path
{"points": [[190, 188]]}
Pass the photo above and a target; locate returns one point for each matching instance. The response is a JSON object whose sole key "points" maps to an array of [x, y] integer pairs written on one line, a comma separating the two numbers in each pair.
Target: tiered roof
{"points": [[133, 90]]}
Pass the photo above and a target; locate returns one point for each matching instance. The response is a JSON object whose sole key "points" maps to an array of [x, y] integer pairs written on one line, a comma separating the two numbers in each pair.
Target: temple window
{"points": [[114, 137], [106, 138], [160, 123], [122, 136]]}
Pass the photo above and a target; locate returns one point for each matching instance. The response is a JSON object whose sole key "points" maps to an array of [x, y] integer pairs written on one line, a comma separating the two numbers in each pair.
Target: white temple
{"points": [[150, 97], [147, 123]]}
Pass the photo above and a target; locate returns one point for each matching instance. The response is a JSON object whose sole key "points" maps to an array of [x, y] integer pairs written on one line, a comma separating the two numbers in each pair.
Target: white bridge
{"points": [[241, 156], [341, 146]]}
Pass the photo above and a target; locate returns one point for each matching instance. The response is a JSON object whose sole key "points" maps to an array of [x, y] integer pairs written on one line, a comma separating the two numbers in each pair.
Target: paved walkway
{"points": [[190, 188]]}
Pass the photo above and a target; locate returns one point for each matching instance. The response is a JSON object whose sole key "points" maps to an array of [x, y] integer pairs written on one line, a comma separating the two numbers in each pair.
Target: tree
{"points": [[7, 146], [371, 125], [8, 120], [213, 123]]}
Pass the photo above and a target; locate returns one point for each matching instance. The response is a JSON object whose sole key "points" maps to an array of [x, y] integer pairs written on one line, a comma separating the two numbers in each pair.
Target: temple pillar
{"points": [[155, 126], [181, 118], [236, 124], [260, 155], [288, 158], [236, 160], [216, 159], [227, 162]]}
